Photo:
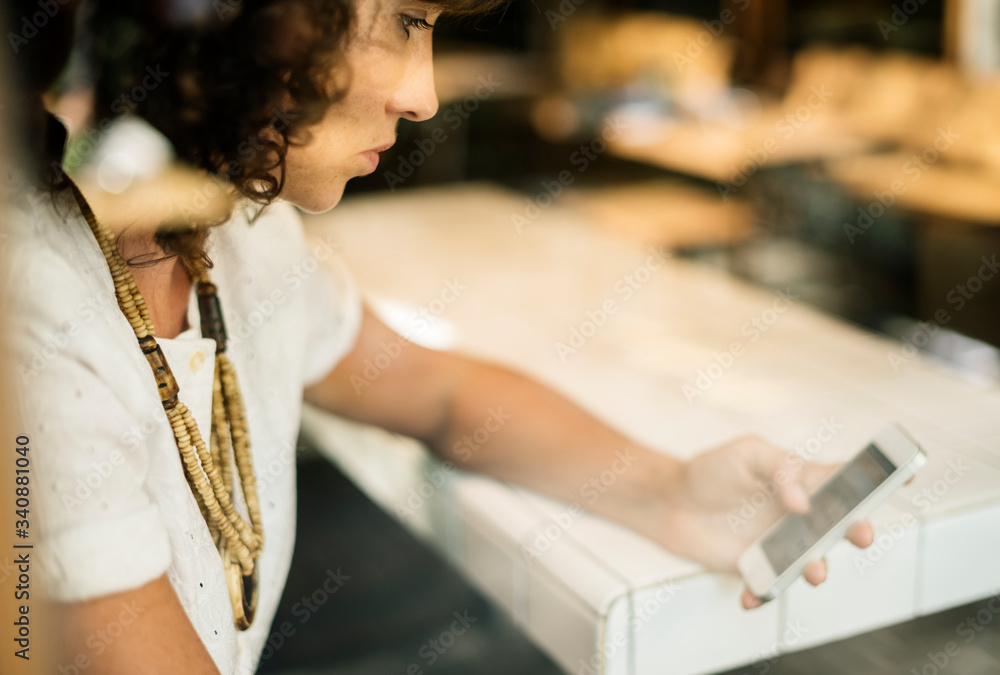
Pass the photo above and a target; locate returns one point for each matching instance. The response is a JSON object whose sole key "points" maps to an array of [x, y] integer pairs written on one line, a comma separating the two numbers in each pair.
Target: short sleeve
{"points": [[334, 323], [95, 527], [284, 293]]}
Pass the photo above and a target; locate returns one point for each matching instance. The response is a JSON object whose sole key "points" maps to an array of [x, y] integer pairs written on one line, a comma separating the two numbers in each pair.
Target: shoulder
{"points": [[54, 263], [64, 315]]}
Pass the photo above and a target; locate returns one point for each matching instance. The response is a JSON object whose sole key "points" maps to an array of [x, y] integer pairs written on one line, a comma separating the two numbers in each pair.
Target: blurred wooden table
{"points": [[664, 213], [718, 152], [956, 209], [964, 193]]}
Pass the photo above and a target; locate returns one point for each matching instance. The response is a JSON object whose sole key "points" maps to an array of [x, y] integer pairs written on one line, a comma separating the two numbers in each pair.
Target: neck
{"points": [[165, 285], [140, 245]]}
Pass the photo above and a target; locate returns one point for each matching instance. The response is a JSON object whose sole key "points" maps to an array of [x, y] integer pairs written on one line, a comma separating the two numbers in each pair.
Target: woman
{"points": [[287, 100]]}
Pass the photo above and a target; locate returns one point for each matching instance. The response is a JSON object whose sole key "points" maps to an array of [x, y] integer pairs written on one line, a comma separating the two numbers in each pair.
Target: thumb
{"points": [[784, 470], [807, 479], [793, 495]]}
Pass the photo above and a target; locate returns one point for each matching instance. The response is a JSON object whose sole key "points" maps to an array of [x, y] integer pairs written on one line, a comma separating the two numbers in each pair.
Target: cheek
{"points": [[313, 180], [315, 173]]}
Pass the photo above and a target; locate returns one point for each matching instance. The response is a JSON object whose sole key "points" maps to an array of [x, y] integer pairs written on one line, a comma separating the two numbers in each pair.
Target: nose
{"points": [[415, 98]]}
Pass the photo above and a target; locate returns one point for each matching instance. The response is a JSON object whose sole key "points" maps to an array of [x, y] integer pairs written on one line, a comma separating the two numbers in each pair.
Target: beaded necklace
{"points": [[207, 469]]}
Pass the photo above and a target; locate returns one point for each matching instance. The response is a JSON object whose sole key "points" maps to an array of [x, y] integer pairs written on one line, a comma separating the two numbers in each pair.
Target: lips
{"points": [[371, 156]]}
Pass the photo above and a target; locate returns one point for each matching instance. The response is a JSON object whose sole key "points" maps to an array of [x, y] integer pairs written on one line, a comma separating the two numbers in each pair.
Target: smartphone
{"points": [[777, 558]]}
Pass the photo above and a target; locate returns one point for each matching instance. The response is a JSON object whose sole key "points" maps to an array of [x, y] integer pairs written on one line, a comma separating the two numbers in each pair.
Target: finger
{"points": [[794, 498], [749, 600], [781, 469], [814, 474], [815, 572], [861, 534], [795, 495]]}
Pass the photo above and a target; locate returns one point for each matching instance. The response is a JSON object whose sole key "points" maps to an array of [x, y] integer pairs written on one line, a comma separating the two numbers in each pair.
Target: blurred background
{"points": [[848, 151]]}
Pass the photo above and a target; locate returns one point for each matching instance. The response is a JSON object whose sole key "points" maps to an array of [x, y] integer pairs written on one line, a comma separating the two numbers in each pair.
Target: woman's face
{"points": [[391, 77]]}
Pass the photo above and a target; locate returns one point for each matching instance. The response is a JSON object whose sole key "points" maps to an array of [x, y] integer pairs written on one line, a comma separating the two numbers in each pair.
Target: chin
{"points": [[317, 202]]}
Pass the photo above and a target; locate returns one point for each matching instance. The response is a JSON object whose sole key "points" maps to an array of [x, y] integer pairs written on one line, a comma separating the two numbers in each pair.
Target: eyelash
{"points": [[414, 22]]}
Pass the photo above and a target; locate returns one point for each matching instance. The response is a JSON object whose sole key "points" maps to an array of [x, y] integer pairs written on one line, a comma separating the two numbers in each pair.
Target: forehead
{"points": [[372, 17], [375, 7]]}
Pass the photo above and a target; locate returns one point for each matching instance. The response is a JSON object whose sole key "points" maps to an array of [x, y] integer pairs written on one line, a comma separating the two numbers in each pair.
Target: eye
{"points": [[409, 22]]}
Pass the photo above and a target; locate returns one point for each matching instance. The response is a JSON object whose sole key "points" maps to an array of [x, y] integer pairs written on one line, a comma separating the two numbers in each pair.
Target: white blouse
{"points": [[110, 507]]}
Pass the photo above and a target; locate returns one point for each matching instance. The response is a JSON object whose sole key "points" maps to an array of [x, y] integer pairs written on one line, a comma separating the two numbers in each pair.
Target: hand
{"points": [[725, 498]]}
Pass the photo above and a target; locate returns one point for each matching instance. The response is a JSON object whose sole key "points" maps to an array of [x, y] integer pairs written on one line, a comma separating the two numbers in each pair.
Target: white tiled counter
{"points": [[685, 358]]}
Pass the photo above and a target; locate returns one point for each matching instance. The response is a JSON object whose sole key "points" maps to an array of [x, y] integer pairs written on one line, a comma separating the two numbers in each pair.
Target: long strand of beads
{"points": [[206, 468]]}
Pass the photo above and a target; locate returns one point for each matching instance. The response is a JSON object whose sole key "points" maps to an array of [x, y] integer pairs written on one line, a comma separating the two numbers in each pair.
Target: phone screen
{"points": [[827, 506]]}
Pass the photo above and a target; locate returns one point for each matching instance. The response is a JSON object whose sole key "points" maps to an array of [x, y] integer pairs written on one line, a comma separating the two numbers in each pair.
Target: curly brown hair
{"points": [[246, 79]]}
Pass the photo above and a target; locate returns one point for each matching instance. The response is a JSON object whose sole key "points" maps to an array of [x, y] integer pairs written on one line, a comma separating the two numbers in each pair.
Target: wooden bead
{"points": [[161, 371], [212, 324]]}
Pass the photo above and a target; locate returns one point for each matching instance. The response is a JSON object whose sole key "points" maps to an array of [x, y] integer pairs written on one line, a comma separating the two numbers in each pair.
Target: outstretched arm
{"points": [[492, 420]]}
